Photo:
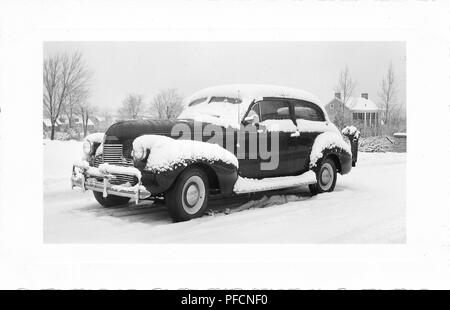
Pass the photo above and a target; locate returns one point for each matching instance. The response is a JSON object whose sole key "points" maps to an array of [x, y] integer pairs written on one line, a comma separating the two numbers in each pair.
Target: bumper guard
{"points": [[85, 177]]}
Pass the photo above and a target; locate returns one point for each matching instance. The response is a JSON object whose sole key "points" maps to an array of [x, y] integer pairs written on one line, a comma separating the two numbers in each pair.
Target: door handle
{"points": [[295, 134]]}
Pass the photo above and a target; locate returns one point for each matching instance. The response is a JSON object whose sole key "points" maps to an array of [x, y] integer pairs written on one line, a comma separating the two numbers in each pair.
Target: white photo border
{"points": [[423, 262]]}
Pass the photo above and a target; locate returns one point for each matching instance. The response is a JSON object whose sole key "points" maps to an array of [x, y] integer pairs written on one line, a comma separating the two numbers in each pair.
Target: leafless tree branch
{"points": [[345, 87], [132, 106], [64, 76], [167, 104], [388, 93]]}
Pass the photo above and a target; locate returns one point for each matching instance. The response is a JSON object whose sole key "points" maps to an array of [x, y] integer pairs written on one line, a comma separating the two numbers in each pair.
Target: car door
{"points": [[311, 122], [273, 127]]}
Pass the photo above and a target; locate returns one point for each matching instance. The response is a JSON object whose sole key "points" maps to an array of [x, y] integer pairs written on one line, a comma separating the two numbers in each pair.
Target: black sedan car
{"points": [[229, 140]]}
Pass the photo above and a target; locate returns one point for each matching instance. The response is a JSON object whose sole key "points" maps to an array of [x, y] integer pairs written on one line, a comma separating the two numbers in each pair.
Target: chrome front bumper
{"points": [[85, 177]]}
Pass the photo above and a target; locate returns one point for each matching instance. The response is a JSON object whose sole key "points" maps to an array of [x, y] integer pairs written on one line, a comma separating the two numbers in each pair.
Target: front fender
{"points": [[221, 176]]}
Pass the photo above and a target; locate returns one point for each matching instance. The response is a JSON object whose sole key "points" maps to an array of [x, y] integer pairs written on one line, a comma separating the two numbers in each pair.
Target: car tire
{"points": [[326, 175], [110, 200], [188, 196]]}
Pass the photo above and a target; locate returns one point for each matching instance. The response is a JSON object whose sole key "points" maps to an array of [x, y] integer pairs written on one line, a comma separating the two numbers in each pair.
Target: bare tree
{"points": [[63, 75], [105, 119], [167, 104], [70, 107], [86, 110], [345, 87], [77, 101], [388, 93], [132, 106]]}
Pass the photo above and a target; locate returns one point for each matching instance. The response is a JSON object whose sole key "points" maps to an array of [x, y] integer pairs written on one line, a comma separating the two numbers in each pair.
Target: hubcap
{"points": [[192, 194], [326, 177]]}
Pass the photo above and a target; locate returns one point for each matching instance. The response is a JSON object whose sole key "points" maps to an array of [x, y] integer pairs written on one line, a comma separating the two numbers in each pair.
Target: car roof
{"points": [[249, 92]]}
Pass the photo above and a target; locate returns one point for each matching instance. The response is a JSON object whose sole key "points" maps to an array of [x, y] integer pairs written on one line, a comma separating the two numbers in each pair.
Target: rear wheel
{"points": [[110, 200], [188, 197], [326, 176]]}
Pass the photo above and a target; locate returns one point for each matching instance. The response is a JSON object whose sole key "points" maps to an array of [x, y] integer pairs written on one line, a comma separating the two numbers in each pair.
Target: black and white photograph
{"points": [[200, 146], [302, 142]]}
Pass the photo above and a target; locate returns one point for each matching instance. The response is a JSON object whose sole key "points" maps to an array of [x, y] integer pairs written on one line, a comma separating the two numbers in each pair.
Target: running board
{"points": [[245, 185]]}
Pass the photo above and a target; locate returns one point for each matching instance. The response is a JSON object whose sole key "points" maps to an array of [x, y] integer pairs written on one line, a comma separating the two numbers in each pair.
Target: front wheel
{"points": [[326, 176], [188, 197], [110, 200]]}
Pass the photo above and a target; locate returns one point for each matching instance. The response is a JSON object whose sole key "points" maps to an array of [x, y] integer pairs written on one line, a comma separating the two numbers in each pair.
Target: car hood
{"points": [[130, 130]]}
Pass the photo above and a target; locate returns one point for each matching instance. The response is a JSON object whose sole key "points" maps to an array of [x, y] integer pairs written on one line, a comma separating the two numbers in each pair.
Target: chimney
{"points": [[337, 96], [365, 95]]}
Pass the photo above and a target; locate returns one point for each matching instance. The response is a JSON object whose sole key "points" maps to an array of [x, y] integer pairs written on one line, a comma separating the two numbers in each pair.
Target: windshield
{"points": [[223, 111]]}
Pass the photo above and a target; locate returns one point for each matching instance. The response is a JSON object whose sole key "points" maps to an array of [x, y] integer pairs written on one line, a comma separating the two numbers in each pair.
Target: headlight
{"points": [[138, 153], [87, 147]]}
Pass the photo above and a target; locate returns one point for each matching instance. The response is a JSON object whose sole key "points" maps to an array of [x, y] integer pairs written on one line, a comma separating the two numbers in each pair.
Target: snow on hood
{"points": [[166, 152], [326, 140]]}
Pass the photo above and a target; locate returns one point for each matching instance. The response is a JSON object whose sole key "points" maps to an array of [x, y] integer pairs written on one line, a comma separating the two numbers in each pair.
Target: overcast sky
{"points": [[146, 67]]}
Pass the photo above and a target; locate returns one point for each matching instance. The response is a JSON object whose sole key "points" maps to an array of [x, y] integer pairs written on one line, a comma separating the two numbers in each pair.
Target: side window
{"points": [[308, 111], [255, 111], [274, 109]]}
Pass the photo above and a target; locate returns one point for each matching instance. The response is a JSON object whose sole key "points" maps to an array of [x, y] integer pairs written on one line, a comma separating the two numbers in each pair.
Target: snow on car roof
{"points": [[248, 92], [230, 114]]}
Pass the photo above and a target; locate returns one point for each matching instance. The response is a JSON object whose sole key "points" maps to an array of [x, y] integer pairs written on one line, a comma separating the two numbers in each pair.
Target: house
{"points": [[77, 123], [358, 111], [47, 124], [103, 122]]}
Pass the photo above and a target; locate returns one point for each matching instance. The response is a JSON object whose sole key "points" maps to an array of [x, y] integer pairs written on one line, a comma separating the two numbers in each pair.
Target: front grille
{"points": [[113, 154]]}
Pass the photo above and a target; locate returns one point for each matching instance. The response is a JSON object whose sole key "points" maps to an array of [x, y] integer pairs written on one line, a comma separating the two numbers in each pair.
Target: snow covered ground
{"points": [[367, 206]]}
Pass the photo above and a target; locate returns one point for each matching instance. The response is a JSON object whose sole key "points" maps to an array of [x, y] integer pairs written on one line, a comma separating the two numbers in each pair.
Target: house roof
{"points": [[63, 120], [47, 122], [360, 104], [99, 118]]}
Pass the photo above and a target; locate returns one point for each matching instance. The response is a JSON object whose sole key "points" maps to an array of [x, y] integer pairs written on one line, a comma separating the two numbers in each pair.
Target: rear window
{"points": [[197, 101], [308, 111], [215, 99], [225, 99]]}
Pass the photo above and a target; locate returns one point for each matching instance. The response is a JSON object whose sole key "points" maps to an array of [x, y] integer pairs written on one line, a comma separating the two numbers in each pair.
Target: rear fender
{"points": [[341, 158]]}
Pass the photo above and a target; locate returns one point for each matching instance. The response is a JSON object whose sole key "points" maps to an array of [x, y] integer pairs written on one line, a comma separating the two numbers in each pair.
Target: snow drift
{"points": [[247, 185], [367, 207]]}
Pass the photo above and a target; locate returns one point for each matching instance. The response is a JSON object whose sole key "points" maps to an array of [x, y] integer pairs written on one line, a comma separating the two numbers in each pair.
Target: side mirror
{"points": [[253, 120]]}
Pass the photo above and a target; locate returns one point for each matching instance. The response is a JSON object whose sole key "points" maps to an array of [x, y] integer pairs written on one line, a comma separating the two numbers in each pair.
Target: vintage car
{"points": [[229, 140]]}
